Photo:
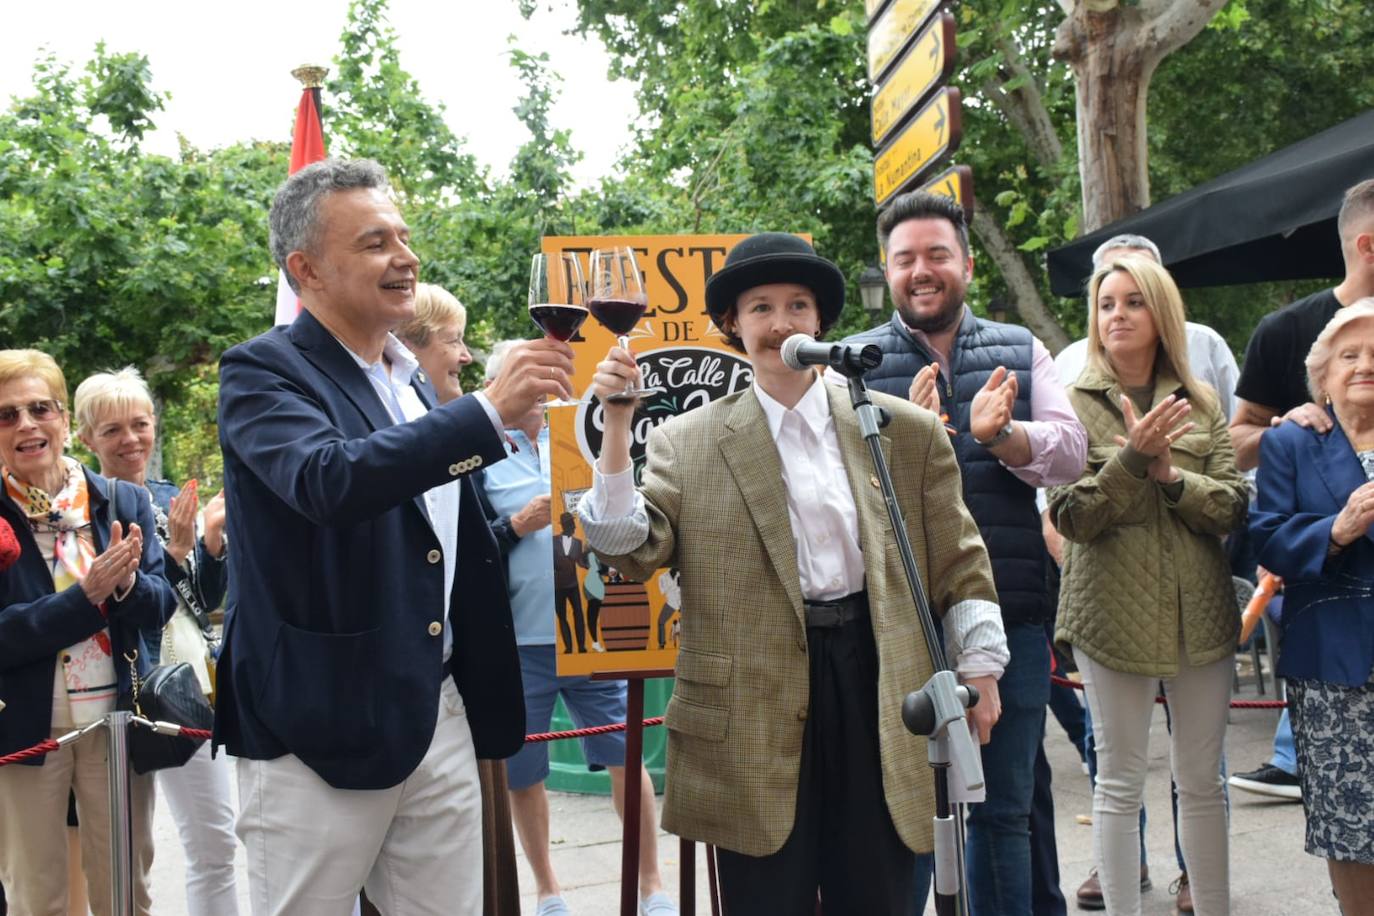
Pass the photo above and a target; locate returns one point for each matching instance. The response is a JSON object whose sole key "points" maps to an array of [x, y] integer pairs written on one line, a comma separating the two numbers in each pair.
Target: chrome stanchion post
{"points": [[121, 821]]}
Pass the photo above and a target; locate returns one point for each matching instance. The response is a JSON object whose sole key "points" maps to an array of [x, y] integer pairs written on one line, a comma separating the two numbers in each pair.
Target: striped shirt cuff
{"points": [[613, 513], [974, 638]]}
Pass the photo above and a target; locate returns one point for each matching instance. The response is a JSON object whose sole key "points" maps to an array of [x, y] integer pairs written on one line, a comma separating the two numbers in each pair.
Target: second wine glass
{"points": [[616, 299], [557, 293]]}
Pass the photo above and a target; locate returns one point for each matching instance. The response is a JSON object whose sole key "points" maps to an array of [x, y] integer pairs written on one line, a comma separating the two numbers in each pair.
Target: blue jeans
{"points": [[1285, 754], [998, 850]]}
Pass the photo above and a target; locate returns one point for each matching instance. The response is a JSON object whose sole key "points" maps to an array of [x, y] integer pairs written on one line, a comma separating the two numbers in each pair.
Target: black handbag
{"points": [[170, 693]]}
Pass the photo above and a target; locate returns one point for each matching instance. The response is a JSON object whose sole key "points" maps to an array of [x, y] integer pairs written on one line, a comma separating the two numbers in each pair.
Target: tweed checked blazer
{"points": [[717, 510]]}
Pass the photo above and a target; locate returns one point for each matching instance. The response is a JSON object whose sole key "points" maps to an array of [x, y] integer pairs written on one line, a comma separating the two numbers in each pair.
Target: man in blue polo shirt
{"points": [[518, 492]]}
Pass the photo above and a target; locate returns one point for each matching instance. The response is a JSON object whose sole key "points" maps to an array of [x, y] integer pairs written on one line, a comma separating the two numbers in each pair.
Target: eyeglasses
{"points": [[38, 411]]}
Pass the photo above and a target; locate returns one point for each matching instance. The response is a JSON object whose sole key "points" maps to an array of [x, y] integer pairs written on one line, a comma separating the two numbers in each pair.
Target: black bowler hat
{"points": [[775, 257]]}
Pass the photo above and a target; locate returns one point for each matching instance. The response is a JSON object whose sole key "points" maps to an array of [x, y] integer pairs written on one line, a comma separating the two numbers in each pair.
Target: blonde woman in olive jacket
{"points": [[1146, 591]]}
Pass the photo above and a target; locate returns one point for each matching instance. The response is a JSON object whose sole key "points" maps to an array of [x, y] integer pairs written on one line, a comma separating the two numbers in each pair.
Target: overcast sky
{"points": [[228, 67]]}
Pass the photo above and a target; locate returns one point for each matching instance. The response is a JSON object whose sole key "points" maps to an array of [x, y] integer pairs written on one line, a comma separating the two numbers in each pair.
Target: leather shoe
{"points": [[1089, 894], [1183, 893]]}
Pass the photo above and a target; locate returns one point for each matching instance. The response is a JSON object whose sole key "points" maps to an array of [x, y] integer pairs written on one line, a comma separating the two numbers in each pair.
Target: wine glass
{"points": [[616, 299], [557, 292]]}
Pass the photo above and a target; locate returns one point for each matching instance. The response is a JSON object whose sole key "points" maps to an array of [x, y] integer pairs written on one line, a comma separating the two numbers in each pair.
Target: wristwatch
{"points": [[1002, 435]]}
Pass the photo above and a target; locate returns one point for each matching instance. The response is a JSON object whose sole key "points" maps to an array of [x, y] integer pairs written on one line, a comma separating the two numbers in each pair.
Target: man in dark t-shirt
{"points": [[1273, 378]]}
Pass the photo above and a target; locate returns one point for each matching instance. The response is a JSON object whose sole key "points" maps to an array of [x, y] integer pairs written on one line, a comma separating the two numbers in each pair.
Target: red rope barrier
{"points": [[1235, 704], [588, 732], [46, 746]]}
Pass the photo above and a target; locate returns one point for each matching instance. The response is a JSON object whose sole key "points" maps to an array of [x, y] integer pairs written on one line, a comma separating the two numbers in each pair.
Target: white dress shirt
{"points": [[403, 404], [825, 525]]}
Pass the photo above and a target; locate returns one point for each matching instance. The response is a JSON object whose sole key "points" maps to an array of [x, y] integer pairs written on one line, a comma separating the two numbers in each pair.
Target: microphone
{"points": [[800, 351]]}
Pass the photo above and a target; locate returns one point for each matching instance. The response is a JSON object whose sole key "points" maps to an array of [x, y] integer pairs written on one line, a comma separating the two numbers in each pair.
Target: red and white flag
{"points": [[307, 146]]}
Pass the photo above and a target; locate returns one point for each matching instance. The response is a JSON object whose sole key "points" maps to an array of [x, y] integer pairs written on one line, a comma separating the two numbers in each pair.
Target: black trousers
{"points": [[843, 842]]}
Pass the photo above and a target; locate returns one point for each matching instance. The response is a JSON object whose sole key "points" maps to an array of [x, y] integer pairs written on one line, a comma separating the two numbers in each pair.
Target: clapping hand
{"points": [[923, 392], [214, 525], [991, 407], [116, 568], [1354, 519], [181, 523], [1154, 433]]}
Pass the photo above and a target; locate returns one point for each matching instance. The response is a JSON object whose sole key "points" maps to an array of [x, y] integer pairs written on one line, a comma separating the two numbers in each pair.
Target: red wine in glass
{"points": [[615, 296], [559, 321], [619, 316]]}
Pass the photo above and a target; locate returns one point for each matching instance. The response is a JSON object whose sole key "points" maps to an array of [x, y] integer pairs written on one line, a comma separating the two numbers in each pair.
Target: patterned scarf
{"points": [[61, 524]]}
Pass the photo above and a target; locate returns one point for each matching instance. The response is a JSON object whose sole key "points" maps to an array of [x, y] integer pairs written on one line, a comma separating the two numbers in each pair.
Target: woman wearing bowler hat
{"points": [[799, 638]]}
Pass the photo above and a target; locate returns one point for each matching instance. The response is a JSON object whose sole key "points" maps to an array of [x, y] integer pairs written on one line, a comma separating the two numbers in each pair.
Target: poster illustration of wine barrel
{"points": [[625, 625]]}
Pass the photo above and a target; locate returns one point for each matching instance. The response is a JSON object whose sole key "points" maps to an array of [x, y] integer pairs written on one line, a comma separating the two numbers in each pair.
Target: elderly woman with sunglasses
{"points": [[72, 608], [115, 420]]}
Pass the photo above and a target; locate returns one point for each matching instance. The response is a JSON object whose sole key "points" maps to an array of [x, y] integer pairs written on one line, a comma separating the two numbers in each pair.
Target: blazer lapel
{"points": [[752, 457], [1337, 465], [329, 356]]}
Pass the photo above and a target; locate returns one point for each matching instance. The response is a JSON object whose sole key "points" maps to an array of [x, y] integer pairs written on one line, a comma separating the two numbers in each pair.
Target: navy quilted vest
{"points": [[1002, 505]]}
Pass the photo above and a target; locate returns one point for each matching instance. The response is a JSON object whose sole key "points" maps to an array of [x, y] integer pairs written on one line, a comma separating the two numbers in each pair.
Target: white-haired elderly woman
{"points": [[435, 336], [115, 419], [84, 588], [1312, 527]]}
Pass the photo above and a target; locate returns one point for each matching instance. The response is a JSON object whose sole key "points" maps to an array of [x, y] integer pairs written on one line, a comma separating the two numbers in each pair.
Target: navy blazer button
{"points": [[477, 461], [455, 469], [434, 556], [435, 628]]}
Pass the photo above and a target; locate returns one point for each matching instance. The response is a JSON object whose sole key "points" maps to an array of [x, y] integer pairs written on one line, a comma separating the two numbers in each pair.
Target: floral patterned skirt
{"points": [[1334, 730]]}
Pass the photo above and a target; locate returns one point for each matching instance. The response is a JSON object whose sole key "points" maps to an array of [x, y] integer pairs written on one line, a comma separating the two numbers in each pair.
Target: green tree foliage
{"points": [[110, 256]]}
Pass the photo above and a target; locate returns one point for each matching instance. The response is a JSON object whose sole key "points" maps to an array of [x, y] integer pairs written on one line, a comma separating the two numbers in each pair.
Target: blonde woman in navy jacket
{"points": [[1312, 527]]}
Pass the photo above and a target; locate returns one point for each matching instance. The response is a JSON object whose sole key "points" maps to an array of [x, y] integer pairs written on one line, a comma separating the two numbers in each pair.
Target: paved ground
{"points": [[1271, 875]]}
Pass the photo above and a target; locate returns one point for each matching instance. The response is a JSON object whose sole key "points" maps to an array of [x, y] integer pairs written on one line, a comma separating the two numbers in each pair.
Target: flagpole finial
{"points": [[311, 75]]}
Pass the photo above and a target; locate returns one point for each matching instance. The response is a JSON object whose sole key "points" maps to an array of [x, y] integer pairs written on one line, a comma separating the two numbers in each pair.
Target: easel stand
{"points": [[938, 709], [634, 765]]}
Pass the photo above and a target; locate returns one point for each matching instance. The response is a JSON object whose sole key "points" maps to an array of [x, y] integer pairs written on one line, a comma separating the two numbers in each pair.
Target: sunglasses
{"points": [[38, 411]]}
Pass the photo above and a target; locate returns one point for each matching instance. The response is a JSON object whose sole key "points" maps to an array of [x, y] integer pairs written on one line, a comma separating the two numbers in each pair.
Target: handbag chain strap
{"points": [[132, 657]]}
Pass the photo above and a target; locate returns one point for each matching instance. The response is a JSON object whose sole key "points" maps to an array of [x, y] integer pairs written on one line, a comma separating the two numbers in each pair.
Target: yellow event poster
{"points": [[619, 625]]}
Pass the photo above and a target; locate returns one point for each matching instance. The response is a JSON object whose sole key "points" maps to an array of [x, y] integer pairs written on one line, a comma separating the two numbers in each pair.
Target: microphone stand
{"points": [[938, 709]]}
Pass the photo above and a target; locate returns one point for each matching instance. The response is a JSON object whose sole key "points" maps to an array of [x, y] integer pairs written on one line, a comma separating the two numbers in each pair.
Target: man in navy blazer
{"points": [[369, 656]]}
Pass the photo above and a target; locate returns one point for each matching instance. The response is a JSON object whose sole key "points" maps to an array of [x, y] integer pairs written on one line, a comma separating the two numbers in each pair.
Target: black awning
{"points": [[1273, 219]]}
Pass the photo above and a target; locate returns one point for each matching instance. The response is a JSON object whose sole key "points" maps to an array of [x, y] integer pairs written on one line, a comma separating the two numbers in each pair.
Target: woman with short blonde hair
{"points": [[435, 336], [115, 419]]}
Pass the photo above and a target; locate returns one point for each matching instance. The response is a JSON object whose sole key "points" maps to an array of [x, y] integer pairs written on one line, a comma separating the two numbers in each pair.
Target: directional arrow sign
{"points": [[926, 64], [935, 131], [955, 182], [890, 31]]}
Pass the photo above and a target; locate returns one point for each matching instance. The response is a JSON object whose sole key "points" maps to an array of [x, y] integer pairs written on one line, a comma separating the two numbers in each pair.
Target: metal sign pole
{"points": [[121, 822]]}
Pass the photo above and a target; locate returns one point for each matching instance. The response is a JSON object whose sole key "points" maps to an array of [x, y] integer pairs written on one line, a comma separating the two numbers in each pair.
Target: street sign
{"points": [[956, 182], [935, 131], [890, 31], [926, 64]]}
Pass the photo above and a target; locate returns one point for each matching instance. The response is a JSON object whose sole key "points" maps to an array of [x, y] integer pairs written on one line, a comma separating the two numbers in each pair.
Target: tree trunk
{"points": [[1025, 293], [1114, 51]]}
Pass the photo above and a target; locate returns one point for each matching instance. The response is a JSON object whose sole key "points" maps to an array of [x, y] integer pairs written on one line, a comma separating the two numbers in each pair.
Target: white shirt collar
{"points": [[403, 363], [813, 409]]}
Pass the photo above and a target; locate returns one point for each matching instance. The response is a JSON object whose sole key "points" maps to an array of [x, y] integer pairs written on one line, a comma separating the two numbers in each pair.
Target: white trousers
{"points": [[415, 847], [1122, 706], [197, 794]]}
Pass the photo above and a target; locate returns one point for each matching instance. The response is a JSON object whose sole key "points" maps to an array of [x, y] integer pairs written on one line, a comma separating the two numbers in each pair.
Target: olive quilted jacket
{"points": [[1137, 564]]}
